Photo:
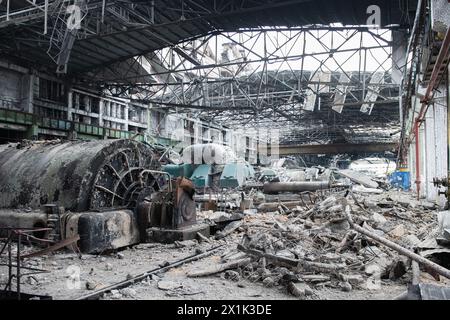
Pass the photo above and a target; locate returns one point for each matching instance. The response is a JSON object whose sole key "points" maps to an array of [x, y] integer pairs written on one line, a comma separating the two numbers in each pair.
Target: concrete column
{"points": [[70, 105], [114, 110], [429, 154], [77, 101], [87, 103], [197, 133], [149, 118], [111, 108], [101, 106], [139, 114], [125, 110]]}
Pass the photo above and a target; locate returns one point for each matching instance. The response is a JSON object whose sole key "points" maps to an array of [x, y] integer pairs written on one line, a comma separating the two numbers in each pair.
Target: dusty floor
{"points": [[108, 269]]}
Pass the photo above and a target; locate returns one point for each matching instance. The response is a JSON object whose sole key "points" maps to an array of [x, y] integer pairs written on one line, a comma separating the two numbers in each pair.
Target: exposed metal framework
{"points": [[318, 83], [109, 31], [318, 75]]}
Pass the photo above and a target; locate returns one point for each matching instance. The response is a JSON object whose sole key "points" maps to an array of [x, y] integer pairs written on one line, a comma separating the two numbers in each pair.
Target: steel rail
{"points": [[122, 284]]}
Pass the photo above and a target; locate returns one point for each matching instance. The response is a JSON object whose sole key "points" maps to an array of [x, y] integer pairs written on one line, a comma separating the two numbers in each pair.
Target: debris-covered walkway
{"points": [[297, 253]]}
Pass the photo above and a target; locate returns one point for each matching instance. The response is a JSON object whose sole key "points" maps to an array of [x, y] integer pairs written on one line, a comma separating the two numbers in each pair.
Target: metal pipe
{"points": [[275, 187], [403, 251]]}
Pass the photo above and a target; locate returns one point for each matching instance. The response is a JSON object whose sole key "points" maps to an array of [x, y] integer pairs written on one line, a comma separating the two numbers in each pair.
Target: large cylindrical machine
{"points": [[85, 188], [77, 175]]}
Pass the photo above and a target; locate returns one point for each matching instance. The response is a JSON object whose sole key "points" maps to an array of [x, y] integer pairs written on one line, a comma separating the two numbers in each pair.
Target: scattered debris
{"points": [[300, 243], [300, 290], [230, 228], [338, 242], [359, 178], [231, 275], [168, 285]]}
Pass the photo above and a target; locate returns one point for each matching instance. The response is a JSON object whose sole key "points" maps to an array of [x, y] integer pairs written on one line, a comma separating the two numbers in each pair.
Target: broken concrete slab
{"points": [[427, 205], [358, 177], [378, 218], [181, 234], [345, 286], [412, 240], [404, 200], [186, 243], [363, 189], [128, 292]]}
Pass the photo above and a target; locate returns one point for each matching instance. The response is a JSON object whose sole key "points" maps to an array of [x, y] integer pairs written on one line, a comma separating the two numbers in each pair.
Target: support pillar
{"points": [[69, 105], [101, 106], [125, 110]]}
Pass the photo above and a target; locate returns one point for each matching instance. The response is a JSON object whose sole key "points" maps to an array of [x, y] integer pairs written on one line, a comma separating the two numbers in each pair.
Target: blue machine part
{"points": [[179, 170], [400, 179], [201, 176], [235, 174]]}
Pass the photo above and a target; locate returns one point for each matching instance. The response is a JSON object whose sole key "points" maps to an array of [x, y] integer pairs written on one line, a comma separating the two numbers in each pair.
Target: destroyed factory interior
{"points": [[213, 149]]}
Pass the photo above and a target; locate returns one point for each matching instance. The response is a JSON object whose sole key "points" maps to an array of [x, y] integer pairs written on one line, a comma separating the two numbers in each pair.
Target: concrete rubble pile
{"points": [[302, 250]]}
